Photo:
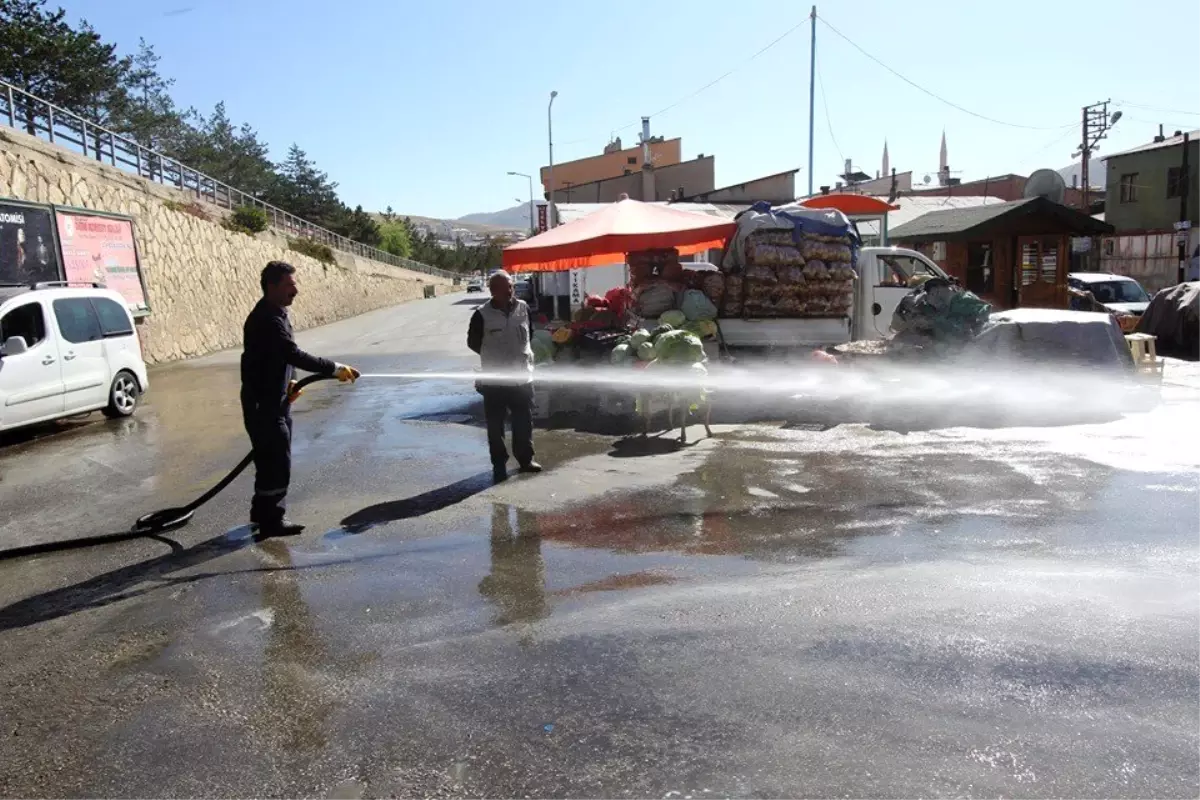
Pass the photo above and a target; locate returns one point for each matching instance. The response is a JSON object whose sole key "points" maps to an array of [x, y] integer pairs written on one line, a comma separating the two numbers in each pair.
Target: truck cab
{"points": [[885, 276]]}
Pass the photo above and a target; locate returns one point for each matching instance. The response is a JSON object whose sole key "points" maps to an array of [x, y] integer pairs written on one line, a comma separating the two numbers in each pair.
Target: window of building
{"points": [[981, 275], [77, 320], [1174, 181], [631, 160], [1129, 188], [26, 321], [114, 320]]}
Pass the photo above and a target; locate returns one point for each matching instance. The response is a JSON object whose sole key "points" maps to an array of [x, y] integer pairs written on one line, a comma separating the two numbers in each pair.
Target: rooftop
{"points": [[954, 222], [1170, 141]]}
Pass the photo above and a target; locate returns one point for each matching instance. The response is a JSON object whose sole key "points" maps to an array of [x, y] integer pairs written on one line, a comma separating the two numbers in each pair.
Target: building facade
{"points": [[1145, 190], [614, 162]]}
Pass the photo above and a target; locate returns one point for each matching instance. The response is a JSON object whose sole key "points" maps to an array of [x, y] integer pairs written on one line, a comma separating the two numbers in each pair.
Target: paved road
{"points": [[771, 612]]}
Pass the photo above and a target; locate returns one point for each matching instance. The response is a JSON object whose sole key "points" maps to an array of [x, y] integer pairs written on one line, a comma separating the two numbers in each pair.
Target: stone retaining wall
{"points": [[201, 279]]}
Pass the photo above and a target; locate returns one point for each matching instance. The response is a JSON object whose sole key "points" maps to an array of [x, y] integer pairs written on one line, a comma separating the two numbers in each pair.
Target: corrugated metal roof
{"points": [[914, 207], [953, 221], [1168, 142]]}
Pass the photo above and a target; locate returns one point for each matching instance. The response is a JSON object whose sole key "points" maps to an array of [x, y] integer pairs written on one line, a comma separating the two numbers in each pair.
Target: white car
{"points": [[66, 351]]}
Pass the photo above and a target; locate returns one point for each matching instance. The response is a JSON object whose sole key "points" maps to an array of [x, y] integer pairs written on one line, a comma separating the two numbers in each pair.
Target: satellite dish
{"points": [[926, 180], [1046, 183]]}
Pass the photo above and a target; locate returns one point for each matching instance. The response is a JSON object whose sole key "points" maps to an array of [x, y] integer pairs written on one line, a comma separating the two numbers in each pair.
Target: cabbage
{"points": [[702, 328], [639, 336], [696, 306], [620, 354], [542, 351], [646, 351], [674, 318], [660, 330], [678, 347], [543, 335], [699, 368]]}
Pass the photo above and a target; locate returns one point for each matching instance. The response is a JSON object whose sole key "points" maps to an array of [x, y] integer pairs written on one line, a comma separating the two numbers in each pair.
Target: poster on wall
{"points": [[27, 251], [100, 249]]}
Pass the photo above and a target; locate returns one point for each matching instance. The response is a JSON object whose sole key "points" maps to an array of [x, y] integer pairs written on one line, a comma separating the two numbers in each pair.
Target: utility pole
{"points": [[1181, 232], [1096, 123], [812, 84], [550, 171]]}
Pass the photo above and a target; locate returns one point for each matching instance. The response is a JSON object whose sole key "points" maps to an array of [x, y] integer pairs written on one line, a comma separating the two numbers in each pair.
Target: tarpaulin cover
{"points": [[794, 217], [1174, 317], [1050, 335], [605, 236]]}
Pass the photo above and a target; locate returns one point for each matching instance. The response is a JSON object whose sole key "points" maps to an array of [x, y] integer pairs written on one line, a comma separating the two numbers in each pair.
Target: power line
{"points": [[1156, 108], [828, 121], [936, 96], [708, 85]]}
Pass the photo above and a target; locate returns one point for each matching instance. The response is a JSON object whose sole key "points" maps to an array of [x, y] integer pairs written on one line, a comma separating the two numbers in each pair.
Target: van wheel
{"points": [[123, 396]]}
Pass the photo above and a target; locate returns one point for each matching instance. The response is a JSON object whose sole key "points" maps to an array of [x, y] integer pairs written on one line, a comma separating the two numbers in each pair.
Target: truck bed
{"points": [[776, 332]]}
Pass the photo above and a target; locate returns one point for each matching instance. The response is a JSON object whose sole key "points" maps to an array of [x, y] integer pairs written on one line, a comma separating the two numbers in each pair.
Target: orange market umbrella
{"points": [[605, 236]]}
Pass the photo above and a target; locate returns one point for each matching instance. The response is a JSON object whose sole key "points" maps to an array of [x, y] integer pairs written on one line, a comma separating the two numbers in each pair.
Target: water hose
{"points": [[168, 519]]}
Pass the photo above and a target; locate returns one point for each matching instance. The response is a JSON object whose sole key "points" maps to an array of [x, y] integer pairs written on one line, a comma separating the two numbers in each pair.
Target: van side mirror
{"points": [[14, 346]]}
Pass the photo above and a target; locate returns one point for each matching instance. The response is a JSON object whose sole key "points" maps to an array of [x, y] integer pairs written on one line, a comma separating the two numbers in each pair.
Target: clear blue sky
{"points": [[425, 106]]}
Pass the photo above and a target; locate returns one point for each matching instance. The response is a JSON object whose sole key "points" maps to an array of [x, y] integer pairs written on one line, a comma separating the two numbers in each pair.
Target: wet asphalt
{"points": [[775, 611]]}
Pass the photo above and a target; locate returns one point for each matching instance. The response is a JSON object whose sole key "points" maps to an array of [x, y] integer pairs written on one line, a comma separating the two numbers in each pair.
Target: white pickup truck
{"points": [[884, 275]]}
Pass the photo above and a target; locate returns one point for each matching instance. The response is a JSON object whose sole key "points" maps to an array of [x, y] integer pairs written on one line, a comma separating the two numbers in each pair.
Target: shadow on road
{"points": [[641, 446], [113, 586], [472, 301], [418, 505]]}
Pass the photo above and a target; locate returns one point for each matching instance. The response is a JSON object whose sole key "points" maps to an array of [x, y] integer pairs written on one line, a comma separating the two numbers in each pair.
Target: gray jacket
{"points": [[502, 340]]}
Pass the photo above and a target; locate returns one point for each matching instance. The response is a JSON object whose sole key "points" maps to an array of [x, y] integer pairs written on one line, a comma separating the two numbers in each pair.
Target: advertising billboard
{"points": [[27, 251], [100, 249]]}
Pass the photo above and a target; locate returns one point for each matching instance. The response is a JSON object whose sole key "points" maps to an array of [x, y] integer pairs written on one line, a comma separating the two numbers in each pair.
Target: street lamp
{"points": [[550, 137], [532, 225]]}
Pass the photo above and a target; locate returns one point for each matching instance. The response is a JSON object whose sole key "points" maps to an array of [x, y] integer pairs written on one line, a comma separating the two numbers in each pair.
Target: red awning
{"points": [[850, 204], [605, 236]]}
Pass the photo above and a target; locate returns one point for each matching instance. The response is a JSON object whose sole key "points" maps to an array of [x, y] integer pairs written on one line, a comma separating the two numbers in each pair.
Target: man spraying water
{"points": [[269, 359], [500, 332]]}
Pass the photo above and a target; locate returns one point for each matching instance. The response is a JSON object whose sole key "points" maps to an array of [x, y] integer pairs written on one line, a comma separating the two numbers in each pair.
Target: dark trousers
{"points": [[271, 438], [498, 403]]}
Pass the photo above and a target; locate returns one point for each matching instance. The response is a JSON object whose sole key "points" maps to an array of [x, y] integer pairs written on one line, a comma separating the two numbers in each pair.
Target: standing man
{"points": [[500, 332], [269, 358]]}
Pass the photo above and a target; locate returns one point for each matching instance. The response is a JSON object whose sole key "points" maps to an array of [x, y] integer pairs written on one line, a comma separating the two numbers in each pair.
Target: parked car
{"points": [[474, 286], [523, 290], [66, 351], [1122, 296]]}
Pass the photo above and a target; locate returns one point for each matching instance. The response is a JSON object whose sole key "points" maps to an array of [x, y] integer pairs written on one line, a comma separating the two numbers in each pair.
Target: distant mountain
{"points": [[515, 218], [1097, 174]]}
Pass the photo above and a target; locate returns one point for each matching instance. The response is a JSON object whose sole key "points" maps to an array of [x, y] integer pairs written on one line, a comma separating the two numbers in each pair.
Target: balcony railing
{"points": [[35, 116]]}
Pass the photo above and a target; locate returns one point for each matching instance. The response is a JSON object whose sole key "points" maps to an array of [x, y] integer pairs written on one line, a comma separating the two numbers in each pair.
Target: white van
{"points": [[66, 351]]}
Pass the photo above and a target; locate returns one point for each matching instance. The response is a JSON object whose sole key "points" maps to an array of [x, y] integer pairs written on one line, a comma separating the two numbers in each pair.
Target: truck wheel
{"points": [[123, 396]]}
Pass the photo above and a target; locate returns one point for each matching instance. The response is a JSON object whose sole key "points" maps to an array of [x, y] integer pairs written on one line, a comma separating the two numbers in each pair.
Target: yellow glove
{"points": [[346, 374], [293, 392]]}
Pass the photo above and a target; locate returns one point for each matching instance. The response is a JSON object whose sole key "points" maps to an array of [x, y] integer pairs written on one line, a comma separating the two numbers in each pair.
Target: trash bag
{"points": [[941, 311], [695, 305]]}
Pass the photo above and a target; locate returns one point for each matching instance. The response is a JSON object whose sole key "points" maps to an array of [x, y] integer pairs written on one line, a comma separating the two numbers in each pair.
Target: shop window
{"points": [[981, 274], [1039, 258], [1128, 188]]}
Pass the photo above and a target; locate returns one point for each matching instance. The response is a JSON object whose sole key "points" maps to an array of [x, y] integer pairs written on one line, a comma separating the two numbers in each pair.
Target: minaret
{"points": [[887, 167], [943, 165]]}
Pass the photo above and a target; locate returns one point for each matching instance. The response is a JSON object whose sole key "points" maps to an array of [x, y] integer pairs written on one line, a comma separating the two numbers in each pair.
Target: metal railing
{"points": [[58, 126]]}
